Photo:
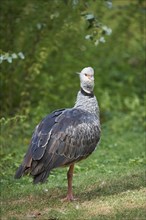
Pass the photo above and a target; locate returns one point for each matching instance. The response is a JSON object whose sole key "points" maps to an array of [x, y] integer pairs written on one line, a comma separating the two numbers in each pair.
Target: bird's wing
{"points": [[42, 134], [72, 135], [38, 142]]}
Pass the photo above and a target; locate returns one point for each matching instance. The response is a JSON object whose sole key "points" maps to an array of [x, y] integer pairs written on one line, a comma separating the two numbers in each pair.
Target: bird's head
{"points": [[87, 79]]}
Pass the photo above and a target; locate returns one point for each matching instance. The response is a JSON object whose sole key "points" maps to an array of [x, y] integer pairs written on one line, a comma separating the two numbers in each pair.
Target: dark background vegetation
{"points": [[51, 35], [43, 44]]}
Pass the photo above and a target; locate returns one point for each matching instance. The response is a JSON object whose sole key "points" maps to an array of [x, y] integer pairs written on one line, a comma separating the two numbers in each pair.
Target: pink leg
{"points": [[69, 196], [69, 178]]}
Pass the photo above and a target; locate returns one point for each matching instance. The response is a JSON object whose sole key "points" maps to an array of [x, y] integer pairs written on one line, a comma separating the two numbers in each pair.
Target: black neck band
{"points": [[91, 95]]}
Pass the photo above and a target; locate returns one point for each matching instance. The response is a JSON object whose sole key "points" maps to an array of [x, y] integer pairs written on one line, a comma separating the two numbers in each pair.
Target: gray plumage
{"points": [[65, 136]]}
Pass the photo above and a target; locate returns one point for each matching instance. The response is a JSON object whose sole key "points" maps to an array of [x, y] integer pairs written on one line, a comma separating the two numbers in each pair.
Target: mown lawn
{"points": [[110, 184]]}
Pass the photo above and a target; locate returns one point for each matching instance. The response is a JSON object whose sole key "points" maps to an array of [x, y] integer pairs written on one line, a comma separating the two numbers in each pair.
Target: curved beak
{"points": [[90, 77]]}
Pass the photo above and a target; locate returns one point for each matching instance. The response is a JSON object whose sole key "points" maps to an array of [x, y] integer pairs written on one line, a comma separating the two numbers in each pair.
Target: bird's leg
{"points": [[69, 179], [69, 196]]}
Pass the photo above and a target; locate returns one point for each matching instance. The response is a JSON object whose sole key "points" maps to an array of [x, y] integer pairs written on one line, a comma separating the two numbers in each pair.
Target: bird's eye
{"points": [[86, 74]]}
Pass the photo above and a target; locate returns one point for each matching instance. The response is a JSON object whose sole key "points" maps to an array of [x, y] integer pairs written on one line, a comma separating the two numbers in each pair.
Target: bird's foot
{"points": [[69, 198]]}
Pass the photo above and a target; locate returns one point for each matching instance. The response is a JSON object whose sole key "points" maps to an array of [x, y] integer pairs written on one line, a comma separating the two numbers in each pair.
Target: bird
{"points": [[65, 136]]}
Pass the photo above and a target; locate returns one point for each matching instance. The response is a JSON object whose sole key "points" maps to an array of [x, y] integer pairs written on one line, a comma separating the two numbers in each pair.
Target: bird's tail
{"points": [[21, 171], [41, 177], [37, 178], [24, 168]]}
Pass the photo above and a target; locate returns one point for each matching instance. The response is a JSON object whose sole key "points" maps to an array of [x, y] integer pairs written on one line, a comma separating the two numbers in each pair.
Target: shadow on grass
{"points": [[85, 192], [115, 186], [127, 214]]}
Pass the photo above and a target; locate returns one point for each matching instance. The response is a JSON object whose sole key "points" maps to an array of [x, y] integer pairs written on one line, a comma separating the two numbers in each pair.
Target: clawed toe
{"points": [[69, 199]]}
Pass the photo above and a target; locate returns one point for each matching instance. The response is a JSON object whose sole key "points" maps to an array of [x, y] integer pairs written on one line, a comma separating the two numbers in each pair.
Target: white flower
{"points": [[109, 4], [96, 42], [102, 40], [104, 28], [107, 30], [14, 55], [88, 37], [1, 58], [45, 190], [21, 55], [9, 59]]}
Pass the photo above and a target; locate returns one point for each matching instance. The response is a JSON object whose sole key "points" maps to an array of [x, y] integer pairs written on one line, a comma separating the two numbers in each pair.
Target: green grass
{"points": [[110, 184]]}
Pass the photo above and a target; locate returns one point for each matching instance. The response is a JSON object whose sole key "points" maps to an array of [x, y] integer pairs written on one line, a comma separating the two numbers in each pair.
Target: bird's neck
{"points": [[87, 102], [87, 93], [87, 87]]}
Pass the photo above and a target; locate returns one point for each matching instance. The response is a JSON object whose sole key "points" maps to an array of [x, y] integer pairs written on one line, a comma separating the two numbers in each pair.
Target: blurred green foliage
{"points": [[55, 39]]}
